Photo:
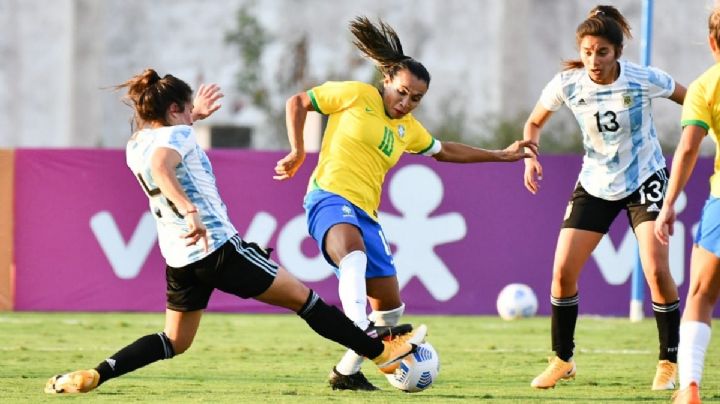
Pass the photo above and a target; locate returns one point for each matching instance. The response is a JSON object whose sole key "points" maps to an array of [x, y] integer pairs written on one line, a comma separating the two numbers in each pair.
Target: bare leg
{"points": [[573, 250], [695, 327], [654, 258], [181, 327]]}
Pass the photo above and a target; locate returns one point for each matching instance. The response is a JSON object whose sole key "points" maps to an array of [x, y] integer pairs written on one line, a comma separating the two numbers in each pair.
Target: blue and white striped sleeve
{"points": [[660, 84], [552, 95], [180, 138]]}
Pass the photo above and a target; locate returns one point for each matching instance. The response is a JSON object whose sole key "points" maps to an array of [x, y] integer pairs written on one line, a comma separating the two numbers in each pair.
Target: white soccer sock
{"points": [[353, 295], [352, 289], [694, 340], [350, 363], [389, 317]]}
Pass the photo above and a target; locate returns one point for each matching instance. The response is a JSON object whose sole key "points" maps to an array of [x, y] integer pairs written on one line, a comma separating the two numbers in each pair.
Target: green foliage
{"points": [[556, 138], [267, 90], [250, 38], [241, 358], [452, 122]]}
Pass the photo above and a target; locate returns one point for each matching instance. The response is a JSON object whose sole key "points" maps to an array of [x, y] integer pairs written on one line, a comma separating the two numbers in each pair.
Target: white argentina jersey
{"points": [[197, 180], [619, 137]]}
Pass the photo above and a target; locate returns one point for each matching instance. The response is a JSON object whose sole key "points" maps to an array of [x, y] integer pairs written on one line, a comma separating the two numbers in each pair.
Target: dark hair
{"points": [[151, 96], [714, 24], [602, 21], [381, 44]]}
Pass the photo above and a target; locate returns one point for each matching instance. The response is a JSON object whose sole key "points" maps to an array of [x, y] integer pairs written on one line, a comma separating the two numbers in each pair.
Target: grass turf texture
{"points": [[240, 358]]}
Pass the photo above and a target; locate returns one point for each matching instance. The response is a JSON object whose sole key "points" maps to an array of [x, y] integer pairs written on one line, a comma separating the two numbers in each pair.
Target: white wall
{"points": [[486, 57]]}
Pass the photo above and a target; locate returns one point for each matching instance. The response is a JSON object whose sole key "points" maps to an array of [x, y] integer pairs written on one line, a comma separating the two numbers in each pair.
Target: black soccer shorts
{"points": [[238, 267], [587, 212]]}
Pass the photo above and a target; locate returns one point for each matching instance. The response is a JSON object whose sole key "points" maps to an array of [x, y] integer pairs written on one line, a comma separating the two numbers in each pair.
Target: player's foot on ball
{"points": [[387, 332], [557, 369], [80, 381], [355, 381], [665, 376], [398, 348], [688, 395]]}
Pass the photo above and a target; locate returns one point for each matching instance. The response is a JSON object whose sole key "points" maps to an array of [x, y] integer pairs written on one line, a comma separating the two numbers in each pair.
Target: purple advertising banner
{"points": [[85, 240]]}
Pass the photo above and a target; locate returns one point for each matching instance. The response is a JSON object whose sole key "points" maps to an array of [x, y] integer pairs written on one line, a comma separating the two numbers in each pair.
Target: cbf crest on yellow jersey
{"points": [[361, 143]]}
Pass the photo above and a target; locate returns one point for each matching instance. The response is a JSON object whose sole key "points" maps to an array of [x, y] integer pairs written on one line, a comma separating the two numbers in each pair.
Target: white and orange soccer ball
{"points": [[416, 371], [516, 300]]}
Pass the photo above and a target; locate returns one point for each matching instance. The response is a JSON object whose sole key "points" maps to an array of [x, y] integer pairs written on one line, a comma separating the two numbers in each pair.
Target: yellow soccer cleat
{"points": [[399, 347], [80, 381], [665, 376], [557, 369], [688, 395]]}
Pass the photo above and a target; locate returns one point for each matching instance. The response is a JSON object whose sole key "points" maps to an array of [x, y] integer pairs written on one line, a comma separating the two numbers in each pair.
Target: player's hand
{"points": [[198, 231], [288, 165], [205, 103], [533, 174], [520, 149], [665, 224]]}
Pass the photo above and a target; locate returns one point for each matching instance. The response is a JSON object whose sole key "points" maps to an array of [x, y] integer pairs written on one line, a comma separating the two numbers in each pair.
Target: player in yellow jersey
{"points": [[700, 116], [368, 130]]}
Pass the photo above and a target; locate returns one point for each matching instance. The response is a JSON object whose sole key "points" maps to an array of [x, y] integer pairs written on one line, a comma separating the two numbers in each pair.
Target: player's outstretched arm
{"points": [[531, 131], [683, 165], [205, 102], [453, 152], [296, 109], [678, 94]]}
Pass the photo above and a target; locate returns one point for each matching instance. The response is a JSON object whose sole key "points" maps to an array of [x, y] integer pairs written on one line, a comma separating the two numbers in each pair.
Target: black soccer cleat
{"points": [[387, 332], [355, 381]]}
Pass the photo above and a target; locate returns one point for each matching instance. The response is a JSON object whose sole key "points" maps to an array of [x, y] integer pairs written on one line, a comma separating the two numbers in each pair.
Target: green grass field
{"points": [[277, 359]]}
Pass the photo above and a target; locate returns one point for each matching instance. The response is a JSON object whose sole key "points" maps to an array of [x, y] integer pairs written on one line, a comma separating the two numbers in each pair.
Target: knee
{"points": [[704, 296], [661, 281], [562, 282]]}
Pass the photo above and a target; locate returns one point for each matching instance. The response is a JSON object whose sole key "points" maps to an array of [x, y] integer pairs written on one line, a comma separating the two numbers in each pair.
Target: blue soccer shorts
{"points": [[708, 232], [325, 209]]}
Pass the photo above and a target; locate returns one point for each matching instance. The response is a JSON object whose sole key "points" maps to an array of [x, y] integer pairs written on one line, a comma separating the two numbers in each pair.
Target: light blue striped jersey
{"points": [[197, 180], [619, 136]]}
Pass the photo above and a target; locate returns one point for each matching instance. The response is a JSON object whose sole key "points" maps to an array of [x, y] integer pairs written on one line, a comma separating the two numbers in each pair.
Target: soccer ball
{"points": [[516, 300], [417, 371]]}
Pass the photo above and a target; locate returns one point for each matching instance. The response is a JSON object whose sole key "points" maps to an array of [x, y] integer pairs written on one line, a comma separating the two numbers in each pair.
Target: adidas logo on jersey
{"points": [[653, 208], [582, 102]]}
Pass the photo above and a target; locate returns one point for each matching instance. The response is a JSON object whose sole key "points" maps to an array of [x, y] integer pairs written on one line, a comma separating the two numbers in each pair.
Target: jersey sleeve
{"points": [[334, 96], [421, 141], [180, 138], [660, 84], [695, 110], [552, 95]]}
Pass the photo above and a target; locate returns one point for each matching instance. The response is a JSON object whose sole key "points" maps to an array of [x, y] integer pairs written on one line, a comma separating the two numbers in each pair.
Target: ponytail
{"points": [[381, 44]]}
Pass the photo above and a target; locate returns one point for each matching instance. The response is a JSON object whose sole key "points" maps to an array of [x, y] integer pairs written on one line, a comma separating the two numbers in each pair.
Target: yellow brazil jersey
{"points": [[361, 143], [702, 108]]}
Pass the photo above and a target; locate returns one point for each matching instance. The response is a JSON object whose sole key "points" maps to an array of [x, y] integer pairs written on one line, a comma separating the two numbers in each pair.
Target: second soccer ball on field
{"points": [[516, 300]]}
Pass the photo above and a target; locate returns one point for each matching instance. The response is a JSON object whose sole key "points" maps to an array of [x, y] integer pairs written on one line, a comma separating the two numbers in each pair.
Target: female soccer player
{"points": [[623, 169], [701, 114], [201, 247], [368, 130]]}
